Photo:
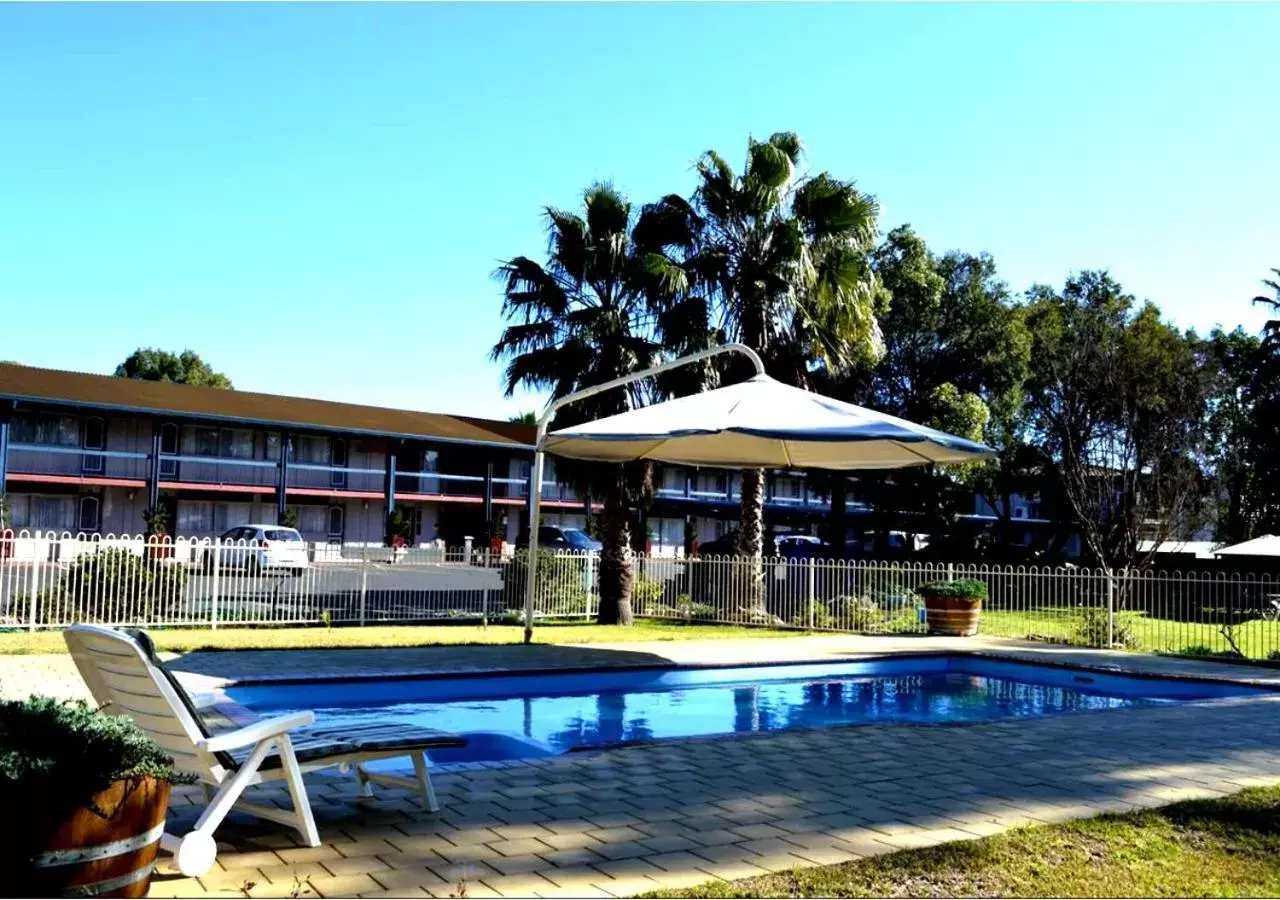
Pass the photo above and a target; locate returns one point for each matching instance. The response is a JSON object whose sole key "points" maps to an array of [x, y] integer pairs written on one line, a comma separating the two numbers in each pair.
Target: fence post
{"points": [[1111, 610], [364, 581], [467, 541], [33, 584], [484, 597], [213, 588], [810, 604]]}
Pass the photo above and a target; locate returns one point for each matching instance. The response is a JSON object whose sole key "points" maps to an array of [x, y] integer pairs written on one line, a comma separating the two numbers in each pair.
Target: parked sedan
{"points": [[256, 548], [554, 537]]}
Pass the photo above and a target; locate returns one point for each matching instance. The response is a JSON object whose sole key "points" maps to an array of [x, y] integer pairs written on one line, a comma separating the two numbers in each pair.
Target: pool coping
{"points": [[1012, 655]]}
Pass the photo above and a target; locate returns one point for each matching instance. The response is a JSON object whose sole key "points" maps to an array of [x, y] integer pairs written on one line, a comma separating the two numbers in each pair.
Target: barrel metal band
{"points": [[108, 885], [99, 851]]}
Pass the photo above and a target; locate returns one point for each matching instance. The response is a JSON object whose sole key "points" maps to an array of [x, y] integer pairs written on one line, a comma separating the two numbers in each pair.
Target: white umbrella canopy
{"points": [[762, 423]]}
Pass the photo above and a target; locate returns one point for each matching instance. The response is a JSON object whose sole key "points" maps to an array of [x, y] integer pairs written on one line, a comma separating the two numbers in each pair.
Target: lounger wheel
{"points": [[196, 854]]}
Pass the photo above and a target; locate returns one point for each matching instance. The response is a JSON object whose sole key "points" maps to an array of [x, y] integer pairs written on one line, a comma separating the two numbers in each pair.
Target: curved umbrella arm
{"points": [[535, 490]]}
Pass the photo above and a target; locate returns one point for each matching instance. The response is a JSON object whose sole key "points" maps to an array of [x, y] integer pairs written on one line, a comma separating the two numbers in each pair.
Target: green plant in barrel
{"points": [[90, 792], [953, 607]]}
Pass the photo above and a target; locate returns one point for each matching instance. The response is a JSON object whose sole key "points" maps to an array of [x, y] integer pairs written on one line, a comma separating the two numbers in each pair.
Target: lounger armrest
{"points": [[258, 731]]}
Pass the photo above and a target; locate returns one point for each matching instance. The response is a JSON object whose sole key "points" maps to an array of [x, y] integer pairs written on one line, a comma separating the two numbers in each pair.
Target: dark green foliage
{"points": [[960, 589], [1096, 627], [148, 364], [113, 585], [289, 518], [55, 755], [561, 588], [399, 532], [157, 520]]}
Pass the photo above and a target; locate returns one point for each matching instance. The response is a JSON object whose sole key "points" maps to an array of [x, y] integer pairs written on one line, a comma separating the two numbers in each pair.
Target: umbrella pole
{"points": [[535, 517]]}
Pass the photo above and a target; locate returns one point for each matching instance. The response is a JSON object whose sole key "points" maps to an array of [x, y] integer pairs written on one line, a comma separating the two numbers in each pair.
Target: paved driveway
{"points": [[682, 812]]}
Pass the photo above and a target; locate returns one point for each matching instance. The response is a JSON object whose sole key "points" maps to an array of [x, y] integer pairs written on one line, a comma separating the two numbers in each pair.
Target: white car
{"points": [[256, 548]]}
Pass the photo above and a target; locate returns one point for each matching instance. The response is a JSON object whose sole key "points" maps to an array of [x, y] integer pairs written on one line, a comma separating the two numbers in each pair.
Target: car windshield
{"points": [[576, 537], [282, 534]]}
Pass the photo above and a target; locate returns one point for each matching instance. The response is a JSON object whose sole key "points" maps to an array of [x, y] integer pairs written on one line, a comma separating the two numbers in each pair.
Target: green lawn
{"points": [[1201, 848], [1256, 638], [184, 640]]}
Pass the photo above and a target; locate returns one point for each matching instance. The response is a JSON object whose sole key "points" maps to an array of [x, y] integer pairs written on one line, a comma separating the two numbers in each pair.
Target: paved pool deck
{"points": [[679, 813]]}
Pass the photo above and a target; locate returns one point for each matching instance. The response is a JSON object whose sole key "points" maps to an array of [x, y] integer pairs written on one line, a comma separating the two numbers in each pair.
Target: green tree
{"points": [[148, 364], [525, 418], [783, 259], [1119, 400], [584, 317], [955, 357]]}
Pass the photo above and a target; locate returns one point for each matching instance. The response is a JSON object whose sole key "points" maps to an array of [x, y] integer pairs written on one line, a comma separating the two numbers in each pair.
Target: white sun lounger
{"points": [[125, 677]]}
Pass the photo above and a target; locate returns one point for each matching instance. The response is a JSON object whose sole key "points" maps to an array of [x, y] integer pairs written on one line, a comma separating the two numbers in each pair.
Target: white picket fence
{"points": [[52, 581]]}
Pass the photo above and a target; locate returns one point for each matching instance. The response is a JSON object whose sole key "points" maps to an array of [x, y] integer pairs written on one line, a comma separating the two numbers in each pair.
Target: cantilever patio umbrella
{"points": [[759, 423]]}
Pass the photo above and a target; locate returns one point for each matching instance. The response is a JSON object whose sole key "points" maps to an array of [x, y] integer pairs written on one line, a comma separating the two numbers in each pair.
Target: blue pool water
{"points": [[548, 714]]}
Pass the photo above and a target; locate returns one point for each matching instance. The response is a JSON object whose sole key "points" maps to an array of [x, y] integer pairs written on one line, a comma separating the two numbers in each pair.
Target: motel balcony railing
{"points": [[61, 463]]}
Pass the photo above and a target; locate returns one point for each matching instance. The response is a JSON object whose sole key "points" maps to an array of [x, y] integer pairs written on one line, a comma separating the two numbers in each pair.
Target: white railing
{"points": [[49, 581]]}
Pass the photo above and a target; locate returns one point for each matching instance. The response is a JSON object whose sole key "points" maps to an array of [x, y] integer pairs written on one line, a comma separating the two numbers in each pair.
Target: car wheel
{"points": [[206, 564], [252, 564]]}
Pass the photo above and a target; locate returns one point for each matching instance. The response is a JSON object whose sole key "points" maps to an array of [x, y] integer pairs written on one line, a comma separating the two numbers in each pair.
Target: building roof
{"points": [[29, 384], [1267, 545], [1200, 549]]}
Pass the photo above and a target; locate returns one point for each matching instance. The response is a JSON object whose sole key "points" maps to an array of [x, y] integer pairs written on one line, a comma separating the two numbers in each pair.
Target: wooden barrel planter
{"points": [[953, 608], [108, 847]]}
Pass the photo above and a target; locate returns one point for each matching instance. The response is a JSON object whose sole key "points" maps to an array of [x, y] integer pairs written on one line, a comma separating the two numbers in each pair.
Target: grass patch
{"points": [[1228, 847], [1256, 638], [185, 640]]}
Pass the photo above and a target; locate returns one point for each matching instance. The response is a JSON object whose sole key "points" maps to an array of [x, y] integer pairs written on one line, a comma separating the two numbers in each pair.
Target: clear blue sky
{"points": [[313, 197]]}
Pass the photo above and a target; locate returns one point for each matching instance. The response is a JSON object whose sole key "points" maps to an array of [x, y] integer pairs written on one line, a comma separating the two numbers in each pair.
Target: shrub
{"points": [[646, 596], [1092, 629], [857, 613], [561, 583], [113, 585], [55, 755], [970, 589]]}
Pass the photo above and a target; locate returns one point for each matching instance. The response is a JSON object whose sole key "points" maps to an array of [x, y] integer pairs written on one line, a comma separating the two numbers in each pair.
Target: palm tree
{"points": [[588, 315], [786, 260]]}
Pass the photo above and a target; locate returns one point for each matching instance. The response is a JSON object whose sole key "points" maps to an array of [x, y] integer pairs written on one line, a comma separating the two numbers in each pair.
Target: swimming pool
{"points": [[522, 716]]}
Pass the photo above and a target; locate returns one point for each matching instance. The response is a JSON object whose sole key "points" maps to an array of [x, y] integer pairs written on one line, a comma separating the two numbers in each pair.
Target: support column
{"points": [[389, 480], [488, 500], [282, 475], [153, 470], [4, 444]]}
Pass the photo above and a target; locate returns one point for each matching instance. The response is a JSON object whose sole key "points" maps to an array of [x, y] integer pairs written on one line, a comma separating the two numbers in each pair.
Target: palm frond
{"points": [[567, 243]]}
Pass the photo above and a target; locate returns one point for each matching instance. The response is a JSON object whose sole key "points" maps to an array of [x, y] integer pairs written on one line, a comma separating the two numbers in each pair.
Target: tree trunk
{"points": [[616, 577], [750, 542], [836, 525]]}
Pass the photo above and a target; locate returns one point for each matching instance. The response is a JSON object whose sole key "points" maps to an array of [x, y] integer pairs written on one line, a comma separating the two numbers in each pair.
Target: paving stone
{"points": [[342, 885], [517, 885], [521, 847], [580, 856], [675, 862]]}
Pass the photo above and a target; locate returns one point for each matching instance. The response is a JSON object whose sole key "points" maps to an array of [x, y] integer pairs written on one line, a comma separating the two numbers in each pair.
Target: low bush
{"points": [[114, 585], [1094, 629]]}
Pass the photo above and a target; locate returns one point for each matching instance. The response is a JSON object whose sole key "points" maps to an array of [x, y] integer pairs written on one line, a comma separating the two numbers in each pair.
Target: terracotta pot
{"points": [[108, 847], [952, 615]]}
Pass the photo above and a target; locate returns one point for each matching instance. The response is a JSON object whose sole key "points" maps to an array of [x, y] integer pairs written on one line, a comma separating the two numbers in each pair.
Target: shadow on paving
{"points": [[769, 800]]}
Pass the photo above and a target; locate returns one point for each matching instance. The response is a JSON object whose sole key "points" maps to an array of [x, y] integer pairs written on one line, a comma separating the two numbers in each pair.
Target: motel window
{"points": [[205, 441], [312, 519], [235, 444], [57, 431], [271, 449], [53, 514], [336, 517], [311, 450], [89, 508]]}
